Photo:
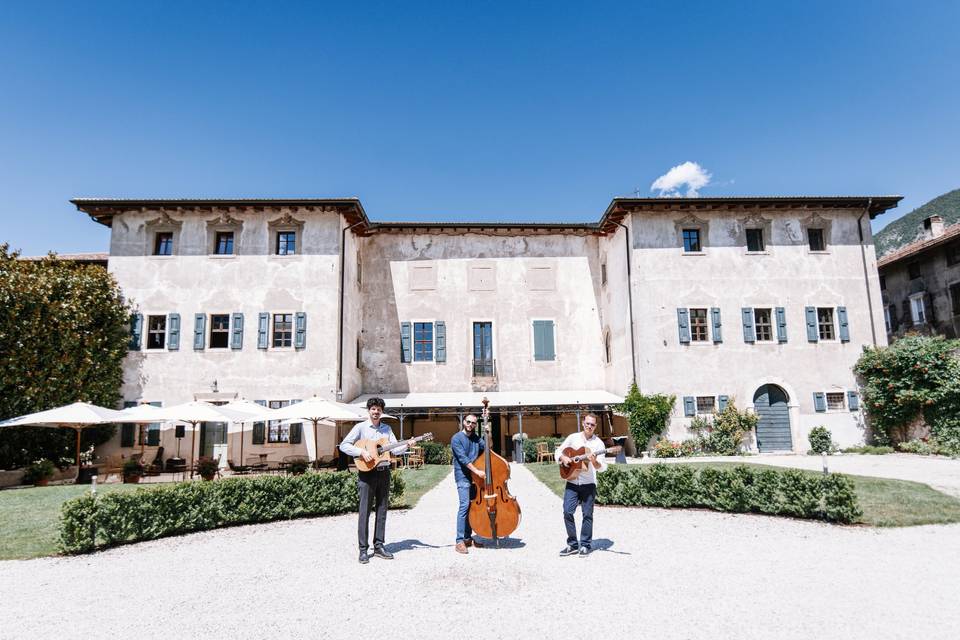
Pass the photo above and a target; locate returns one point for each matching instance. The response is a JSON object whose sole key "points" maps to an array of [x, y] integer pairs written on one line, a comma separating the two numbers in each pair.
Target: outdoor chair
{"points": [[113, 466], [415, 458], [543, 453], [255, 463], [155, 468], [324, 461], [237, 468]]}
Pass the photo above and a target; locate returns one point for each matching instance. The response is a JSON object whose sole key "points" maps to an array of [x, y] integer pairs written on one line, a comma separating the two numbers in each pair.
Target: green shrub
{"points": [[821, 440], [667, 449], [436, 453], [42, 469], [133, 467], [91, 522], [921, 446], [530, 447], [730, 426], [870, 449], [788, 492], [646, 415]]}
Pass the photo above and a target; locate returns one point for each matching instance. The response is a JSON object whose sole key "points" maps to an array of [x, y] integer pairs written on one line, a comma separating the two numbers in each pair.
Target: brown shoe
{"points": [[461, 548], [470, 542]]}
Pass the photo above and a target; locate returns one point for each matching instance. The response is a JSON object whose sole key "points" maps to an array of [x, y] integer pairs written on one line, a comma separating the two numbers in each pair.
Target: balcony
{"points": [[484, 375]]}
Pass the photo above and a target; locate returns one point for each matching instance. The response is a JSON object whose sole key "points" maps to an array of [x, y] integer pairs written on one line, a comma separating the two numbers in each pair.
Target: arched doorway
{"points": [[773, 429]]}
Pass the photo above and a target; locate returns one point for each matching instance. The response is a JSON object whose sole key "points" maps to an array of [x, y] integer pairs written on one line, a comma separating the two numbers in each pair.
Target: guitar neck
{"points": [[402, 443], [583, 457]]}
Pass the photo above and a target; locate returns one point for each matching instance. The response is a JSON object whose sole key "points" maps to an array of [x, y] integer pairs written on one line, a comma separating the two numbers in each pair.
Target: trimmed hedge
{"points": [[436, 453], [784, 492], [90, 522]]}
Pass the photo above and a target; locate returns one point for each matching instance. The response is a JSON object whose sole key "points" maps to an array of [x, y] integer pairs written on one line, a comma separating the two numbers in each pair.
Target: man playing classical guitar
{"points": [[581, 490], [466, 446], [375, 484]]}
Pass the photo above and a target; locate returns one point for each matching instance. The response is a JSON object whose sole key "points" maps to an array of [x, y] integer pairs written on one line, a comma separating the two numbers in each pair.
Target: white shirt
{"points": [[577, 440]]}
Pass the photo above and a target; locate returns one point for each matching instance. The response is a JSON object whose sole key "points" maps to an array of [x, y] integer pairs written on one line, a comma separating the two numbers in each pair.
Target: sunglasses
{"points": [[473, 422]]}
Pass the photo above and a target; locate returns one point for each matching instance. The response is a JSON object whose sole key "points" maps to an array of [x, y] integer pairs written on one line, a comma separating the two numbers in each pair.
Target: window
{"points": [[955, 298], [886, 319], [543, 344], [163, 244], [223, 246], [825, 323], [286, 243], [755, 240], [953, 254], [763, 325], [277, 432], [691, 240], [917, 310], [914, 270], [156, 332], [422, 341], [816, 240], [219, 331], [835, 401], [883, 283], [706, 404], [282, 329], [698, 325], [603, 273]]}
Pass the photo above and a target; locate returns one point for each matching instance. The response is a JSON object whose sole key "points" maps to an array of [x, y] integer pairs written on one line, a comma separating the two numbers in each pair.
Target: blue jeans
{"points": [[464, 532], [584, 495]]}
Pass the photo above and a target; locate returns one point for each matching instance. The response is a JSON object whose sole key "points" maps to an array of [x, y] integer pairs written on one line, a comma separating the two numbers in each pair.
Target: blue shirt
{"points": [[366, 431], [465, 450]]}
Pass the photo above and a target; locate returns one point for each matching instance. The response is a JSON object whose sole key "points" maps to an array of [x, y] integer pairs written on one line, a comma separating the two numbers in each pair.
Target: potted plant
{"points": [[297, 466], [39, 473], [132, 471], [207, 468], [86, 471]]}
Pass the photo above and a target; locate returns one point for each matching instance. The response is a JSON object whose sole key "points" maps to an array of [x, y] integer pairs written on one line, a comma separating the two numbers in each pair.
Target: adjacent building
{"points": [[765, 301]]}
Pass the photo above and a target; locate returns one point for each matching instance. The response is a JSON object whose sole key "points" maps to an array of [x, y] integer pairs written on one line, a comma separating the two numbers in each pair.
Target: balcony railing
{"points": [[486, 368]]}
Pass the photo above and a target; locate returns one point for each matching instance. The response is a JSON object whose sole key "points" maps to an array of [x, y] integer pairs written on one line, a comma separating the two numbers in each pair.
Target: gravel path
{"points": [[656, 574]]}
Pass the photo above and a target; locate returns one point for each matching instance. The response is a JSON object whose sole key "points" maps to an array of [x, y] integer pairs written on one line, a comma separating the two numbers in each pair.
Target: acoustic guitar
{"points": [[380, 450], [580, 460]]}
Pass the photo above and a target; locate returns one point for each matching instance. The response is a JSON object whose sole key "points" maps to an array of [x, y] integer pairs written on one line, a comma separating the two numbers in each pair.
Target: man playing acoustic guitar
{"points": [[581, 490], [373, 484], [466, 446]]}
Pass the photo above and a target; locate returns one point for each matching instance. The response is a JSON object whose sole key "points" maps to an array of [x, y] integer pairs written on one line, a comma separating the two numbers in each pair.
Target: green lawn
{"points": [[30, 518], [885, 502]]}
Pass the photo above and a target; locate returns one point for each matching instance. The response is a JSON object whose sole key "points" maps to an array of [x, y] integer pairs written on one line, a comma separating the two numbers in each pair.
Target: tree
{"points": [[646, 415], [64, 330]]}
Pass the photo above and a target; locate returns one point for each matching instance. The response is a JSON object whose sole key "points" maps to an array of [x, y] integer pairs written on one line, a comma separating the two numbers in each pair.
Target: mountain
{"points": [[905, 230]]}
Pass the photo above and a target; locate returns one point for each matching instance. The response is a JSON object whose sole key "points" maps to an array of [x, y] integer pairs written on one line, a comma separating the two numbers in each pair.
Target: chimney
{"points": [[933, 227]]}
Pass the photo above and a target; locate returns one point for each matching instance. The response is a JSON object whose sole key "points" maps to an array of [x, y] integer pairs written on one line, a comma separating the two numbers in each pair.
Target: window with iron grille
{"points": [[163, 244], [277, 432], [698, 325], [224, 243], [755, 240], [835, 400], [706, 404], [156, 332], [816, 240], [825, 323], [914, 270], [763, 324], [282, 329], [422, 341], [219, 331], [286, 243], [691, 240]]}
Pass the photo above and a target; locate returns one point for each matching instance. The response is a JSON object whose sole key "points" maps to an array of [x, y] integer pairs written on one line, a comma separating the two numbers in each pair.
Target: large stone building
{"points": [[763, 301]]}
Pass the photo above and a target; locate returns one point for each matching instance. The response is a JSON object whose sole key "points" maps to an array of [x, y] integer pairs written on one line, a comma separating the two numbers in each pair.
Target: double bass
{"points": [[494, 513]]}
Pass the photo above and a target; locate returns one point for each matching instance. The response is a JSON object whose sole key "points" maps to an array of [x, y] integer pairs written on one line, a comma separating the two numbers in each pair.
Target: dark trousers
{"points": [[584, 495], [374, 486]]}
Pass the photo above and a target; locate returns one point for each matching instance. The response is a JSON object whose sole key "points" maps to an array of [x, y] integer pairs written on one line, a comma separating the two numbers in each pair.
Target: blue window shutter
{"points": [[717, 325], [844, 326], [749, 335], [259, 428], [819, 401], [263, 326], [683, 324], [199, 324], [689, 406], [543, 340], [136, 331], [813, 335], [173, 331], [853, 401], [300, 337], [236, 338], [781, 324], [406, 346], [722, 402], [440, 341]]}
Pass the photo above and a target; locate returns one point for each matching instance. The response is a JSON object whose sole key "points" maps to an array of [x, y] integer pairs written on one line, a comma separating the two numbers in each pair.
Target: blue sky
{"points": [[486, 111]]}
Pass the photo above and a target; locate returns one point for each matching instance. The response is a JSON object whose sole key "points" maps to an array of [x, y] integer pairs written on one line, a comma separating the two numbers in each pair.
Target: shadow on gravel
{"points": [[604, 544], [505, 543], [409, 545]]}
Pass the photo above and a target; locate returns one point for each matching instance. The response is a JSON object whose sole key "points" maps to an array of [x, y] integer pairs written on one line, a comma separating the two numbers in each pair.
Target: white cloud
{"points": [[689, 173]]}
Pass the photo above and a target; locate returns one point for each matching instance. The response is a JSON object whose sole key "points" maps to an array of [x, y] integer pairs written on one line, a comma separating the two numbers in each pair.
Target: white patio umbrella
{"points": [[254, 413], [318, 410], [140, 415], [78, 415], [196, 412]]}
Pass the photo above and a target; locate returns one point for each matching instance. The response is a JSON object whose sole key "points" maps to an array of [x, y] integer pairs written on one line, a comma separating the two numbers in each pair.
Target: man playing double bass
{"points": [[466, 445], [581, 490]]}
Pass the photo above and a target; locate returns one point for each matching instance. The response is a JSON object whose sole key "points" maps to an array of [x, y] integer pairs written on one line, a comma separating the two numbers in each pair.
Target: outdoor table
{"points": [[620, 441]]}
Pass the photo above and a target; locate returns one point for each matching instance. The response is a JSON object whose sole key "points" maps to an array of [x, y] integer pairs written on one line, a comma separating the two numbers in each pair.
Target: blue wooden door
{"points": [[773, 429]]}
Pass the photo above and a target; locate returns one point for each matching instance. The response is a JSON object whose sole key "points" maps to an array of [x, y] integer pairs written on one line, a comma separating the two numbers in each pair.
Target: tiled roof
{"points": [[920, 246]]}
